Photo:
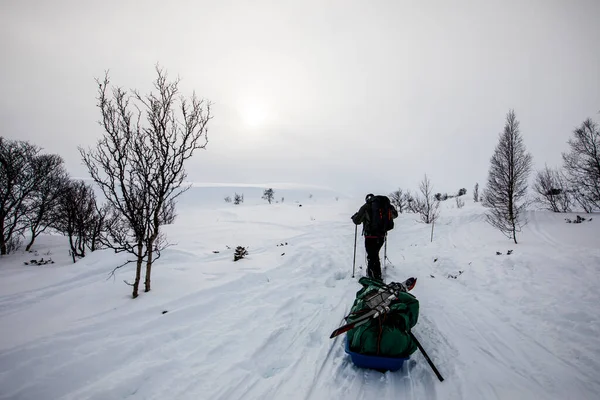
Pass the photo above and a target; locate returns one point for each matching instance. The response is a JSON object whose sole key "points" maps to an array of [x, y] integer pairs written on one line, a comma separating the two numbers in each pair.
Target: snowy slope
{"points": [[519, 326]]}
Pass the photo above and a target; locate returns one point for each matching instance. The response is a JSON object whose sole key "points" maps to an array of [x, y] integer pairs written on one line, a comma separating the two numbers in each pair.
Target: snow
{"points": [[519, 326]]}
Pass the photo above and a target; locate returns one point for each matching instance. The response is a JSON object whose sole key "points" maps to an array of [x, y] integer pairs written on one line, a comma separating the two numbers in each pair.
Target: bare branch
{"points": [[112, 273]]}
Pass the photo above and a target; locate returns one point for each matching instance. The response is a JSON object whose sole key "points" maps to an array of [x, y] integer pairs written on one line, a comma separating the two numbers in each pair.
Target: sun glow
{"points": [[254, 114]]}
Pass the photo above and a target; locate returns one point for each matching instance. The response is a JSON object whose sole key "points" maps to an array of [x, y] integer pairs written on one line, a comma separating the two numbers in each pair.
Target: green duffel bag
{"points": [[387, 335]]}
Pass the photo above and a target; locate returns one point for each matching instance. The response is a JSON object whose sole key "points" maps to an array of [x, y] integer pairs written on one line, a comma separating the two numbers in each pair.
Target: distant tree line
{"points": [[423, 201], [37, 195]]}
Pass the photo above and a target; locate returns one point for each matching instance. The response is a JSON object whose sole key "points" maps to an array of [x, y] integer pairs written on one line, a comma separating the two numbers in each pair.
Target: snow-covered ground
{"points": [[519, 326]]}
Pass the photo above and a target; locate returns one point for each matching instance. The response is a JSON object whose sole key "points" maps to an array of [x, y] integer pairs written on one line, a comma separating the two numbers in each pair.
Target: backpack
{"points": [[387, 335], [380, 216]]}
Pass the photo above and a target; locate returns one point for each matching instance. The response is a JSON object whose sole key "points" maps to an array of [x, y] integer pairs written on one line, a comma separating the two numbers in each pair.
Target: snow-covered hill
{"points": [[518, 326]]}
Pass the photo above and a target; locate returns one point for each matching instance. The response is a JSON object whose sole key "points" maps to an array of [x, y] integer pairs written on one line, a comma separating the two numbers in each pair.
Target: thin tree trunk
{"points": [[72, 247], [81, 245], [2, 241], [148, 267], [138, 271], [33, 235], [432, 225], [151, 240]]}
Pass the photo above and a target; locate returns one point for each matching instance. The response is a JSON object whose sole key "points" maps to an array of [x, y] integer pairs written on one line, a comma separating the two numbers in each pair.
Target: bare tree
{"points": [[97, 227], [582, 165], [140, 167], [268, 195], [398, 200], [460, 203], [507, 180], [410, 202], [429, 206], [77, 218], [18, 180], [551, 190], [476, 193], [52, 178]]}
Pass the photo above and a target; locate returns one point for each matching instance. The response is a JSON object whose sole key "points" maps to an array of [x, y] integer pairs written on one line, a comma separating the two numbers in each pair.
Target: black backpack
{"points": [[380, 216]]}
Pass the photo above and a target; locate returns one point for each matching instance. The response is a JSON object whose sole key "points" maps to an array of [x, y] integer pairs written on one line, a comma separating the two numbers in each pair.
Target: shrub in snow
{"points": [[455, 276], [441, 197], [238, 198], [578, 220], [459, 202], [227, 199], [39, 262], [239, 253]]}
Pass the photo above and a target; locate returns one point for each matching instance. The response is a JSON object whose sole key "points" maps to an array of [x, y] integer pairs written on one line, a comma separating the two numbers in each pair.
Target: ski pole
{"points": [[437, 373], [354, 262], [384, 249]]}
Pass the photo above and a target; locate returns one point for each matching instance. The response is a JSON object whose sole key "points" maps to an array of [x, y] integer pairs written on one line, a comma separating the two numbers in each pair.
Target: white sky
{"points": [[360, 96]]}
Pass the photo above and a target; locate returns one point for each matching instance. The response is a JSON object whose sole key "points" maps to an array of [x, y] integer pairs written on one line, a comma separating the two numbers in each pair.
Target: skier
{"points": [[376, 215]]}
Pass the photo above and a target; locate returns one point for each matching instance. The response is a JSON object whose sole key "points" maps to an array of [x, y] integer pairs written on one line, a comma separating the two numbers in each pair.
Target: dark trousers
{"points": [[373, 246]]}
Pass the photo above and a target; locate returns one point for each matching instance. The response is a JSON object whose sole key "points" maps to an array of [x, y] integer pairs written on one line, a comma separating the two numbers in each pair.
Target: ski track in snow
{"points": [[508, 327]]}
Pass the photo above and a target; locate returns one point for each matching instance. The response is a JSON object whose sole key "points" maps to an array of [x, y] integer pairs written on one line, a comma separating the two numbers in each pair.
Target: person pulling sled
{"points": [[377, 216]]}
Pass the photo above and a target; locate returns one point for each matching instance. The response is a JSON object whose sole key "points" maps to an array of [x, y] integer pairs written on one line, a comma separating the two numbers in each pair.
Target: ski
{"points": [[378, 303]]}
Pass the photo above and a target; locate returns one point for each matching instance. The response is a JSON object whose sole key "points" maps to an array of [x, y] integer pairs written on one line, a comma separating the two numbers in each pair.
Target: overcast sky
{"points": [[356, 95]]}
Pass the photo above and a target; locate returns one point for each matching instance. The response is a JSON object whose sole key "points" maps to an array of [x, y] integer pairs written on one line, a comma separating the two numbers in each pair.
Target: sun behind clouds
{"points": [[254, 113]]}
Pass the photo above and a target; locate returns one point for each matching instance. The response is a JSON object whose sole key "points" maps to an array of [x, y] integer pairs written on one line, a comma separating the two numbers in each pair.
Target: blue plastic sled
{"points": [[375, 362]]}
